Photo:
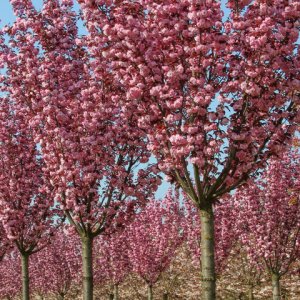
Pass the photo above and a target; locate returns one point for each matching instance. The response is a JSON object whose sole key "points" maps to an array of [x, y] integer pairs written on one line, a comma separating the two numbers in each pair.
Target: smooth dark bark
{"points": [[111, 296], [208, 254], [61, 297], [25, 276], [250, 293], [116, 292], [150, 292], [276, 287], [87, 267]]}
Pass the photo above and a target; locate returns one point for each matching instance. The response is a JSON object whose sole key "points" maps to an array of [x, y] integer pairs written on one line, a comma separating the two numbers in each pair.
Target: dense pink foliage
{"points": [[112, 262], [90, 151], [80, 117], [4, 242], [219, 95], [154, 237], [26, 199], [238, 5], [10, 279], [268, 215], [57, 267]]}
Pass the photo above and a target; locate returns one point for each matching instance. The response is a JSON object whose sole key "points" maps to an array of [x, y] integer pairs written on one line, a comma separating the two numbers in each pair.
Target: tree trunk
{"points": [[250, 293], [165, 296], [111, 296], [87, 267], [25, 276], [150, 292], [116, 292], [276, 287], [61, 297], [208, 253]]}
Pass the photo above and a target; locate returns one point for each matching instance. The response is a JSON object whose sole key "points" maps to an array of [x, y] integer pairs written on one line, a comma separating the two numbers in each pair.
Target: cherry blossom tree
{"points": [[113, 259], [215, 98], [181, 281], [240, 276], [26, 199], [10, 279], [95, 157], [154, 237], [58, 266], [268, 214]]}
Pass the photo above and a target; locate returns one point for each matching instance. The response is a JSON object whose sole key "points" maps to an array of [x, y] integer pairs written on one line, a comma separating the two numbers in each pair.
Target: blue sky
{"points": [[6, 14]]}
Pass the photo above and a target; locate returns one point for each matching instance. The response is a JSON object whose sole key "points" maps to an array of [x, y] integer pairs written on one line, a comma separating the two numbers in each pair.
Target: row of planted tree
{"points": [[89, 123], [257, 231], [239, 280]]}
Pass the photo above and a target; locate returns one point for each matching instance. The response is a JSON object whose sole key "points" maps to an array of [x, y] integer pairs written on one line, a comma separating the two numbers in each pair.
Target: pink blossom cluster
{"points": [[26, 198], [112, 258], [4, 243], [10, 279], [154, 236], [221, 96], [90, 147], [57, 268], [268, 215], [81, 116]]}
